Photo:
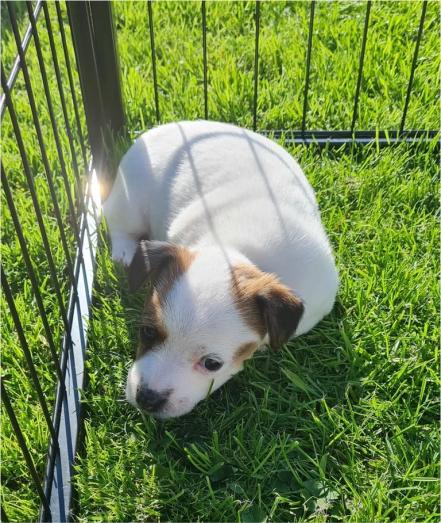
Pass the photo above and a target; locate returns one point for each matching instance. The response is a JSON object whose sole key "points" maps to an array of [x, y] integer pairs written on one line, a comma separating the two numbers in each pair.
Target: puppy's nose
{"points": [[149, 400]]}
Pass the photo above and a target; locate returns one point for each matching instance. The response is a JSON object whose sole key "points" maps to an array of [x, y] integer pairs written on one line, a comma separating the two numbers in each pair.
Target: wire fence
{"points": [[53, 159], [303, 132], [63, 77]]}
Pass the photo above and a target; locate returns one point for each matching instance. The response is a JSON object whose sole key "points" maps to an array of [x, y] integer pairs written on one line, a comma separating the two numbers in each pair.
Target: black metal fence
{"points": [[304, 134], [51, 342], [67, 230]]}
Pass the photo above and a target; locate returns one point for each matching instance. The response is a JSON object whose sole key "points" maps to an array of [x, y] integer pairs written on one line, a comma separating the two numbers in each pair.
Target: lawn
{"points": [[343, 423]]}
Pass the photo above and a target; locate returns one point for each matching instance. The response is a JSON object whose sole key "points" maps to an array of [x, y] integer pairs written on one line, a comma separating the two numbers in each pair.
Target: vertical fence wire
{"points": [[71, 82], [42, 146], [31, 273], [53, 447], [78, 183], [361, 64], [35, 202], [38, 212], [26, 76], [204, 55], [24, 448], [73, 276], [71, 204], [256, 62], [308, 64], [153, 51], [414, 64], [62, 99], [60, 361], [27, 353], [45, 84], [17, 64]]}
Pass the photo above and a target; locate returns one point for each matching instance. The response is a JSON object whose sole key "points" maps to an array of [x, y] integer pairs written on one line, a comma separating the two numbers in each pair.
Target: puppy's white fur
{"points": [[231, 196]]}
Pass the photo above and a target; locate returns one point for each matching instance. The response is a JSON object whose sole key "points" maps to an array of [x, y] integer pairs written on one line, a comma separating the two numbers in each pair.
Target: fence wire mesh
{"points": [[47, 253], [253, 62]]}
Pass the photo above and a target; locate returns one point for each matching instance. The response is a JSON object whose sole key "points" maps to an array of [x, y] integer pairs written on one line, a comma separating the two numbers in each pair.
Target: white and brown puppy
{"points": [[236, 254]]}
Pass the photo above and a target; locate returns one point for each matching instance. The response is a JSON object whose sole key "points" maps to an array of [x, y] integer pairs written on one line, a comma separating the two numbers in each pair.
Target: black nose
{"points": [[149, 400]]}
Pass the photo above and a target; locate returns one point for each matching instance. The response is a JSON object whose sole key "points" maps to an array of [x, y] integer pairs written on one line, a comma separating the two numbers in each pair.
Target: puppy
{"points": [[236, 255]]}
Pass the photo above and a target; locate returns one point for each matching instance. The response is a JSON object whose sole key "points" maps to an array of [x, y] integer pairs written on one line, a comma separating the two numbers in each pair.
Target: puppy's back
{"points": [[201, 183]]}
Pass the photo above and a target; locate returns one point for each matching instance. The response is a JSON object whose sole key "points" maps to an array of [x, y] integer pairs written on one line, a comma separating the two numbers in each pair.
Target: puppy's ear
{"points": [[267, 305], [155, 259], [281, 312]]}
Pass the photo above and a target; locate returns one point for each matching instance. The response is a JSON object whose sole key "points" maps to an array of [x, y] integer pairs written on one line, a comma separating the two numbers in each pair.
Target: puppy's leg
{"points": [[123, 247]]}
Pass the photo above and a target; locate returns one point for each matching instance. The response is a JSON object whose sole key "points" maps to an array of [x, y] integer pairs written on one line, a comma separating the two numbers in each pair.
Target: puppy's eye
{"points": [[211, 364], [147, 334]]}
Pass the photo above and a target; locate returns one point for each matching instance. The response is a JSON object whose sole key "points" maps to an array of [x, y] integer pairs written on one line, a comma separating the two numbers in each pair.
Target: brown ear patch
{"points": [[247, 282], [180, 260], [152, 330], [244, 352], [160, 262], [267, 305]]}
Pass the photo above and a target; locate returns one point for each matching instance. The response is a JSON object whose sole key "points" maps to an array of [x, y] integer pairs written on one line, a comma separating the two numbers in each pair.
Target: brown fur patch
{"points": [[179, 261], [267, 306], [248, 281], [167, 264], [158, 262], [244, 352], [152, 319]]}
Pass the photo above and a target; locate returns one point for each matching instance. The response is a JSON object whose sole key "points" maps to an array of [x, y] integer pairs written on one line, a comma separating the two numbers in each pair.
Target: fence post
{"points": [[96, 53]]}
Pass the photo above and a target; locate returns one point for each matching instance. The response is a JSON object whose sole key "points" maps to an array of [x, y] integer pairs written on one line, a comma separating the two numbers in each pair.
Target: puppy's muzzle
{"points": [[149, 400]]}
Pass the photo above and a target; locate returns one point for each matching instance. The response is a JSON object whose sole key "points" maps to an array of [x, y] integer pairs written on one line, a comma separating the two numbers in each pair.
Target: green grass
{"points": [[343, 424]]}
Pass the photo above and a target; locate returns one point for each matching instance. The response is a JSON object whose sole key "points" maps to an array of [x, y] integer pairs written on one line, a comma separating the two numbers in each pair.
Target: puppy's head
{"points": [[205, 313]]}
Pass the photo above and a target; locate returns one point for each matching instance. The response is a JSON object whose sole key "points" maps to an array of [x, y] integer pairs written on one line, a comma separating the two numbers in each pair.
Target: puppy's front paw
{"points": [[123, 249]]}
